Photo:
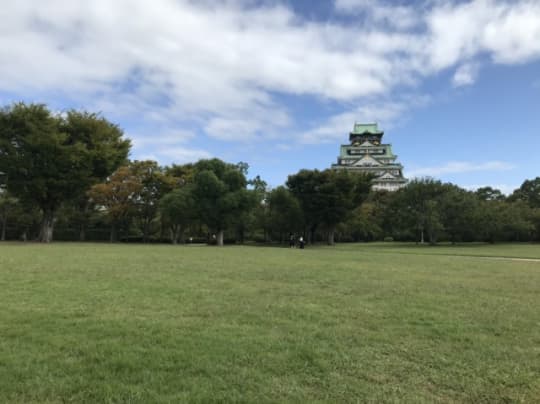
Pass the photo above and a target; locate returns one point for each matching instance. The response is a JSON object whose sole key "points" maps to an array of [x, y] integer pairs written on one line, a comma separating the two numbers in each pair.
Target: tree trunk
{"points": [[82, 227], [163, 229], [181, 234], [4, 224], [312, 231], [146, 228], [82, 232], [47, 227], [114, 233], [432, 238], [331, 233], [421, 236], [219, 239], [176, 232], [172, 231]]}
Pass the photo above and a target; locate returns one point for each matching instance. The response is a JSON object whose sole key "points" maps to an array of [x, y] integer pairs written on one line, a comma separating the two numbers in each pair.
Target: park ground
{"points": [[351, 323]]}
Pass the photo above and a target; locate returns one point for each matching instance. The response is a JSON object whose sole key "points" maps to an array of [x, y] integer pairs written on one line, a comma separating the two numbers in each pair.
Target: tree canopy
{"points": [[50, 159], [70, 171]]}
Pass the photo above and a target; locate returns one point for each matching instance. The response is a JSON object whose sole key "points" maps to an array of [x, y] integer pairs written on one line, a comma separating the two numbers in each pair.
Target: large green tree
{"points": [[328, 197], [49, 159], [417, 207], [106, 150], [459, 212], [506, 221], [178, 211], [284, 213], [529, 192], [221, 195]]}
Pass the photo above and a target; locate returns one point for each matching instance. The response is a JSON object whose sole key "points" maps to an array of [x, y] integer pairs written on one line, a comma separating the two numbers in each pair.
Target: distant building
{"points": [[367, 154]]}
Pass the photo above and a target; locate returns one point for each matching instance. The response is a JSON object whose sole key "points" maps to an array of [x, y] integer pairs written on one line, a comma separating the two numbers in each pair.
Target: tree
{"points": [[220, 194], [247, 219], [328, 196], [106, 150], [489, 194], [284, 212], [154, 184], [364, 223], [182, 174], [178, 210], [305, 186], [459, 212], [47, 161], [529, 192], [8, 204], [417, 206], [117, 195], [506, 221]]}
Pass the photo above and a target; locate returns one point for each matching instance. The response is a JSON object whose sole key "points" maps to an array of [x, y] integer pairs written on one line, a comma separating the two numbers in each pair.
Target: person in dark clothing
{"points": [[292, 241], [301, 243]]}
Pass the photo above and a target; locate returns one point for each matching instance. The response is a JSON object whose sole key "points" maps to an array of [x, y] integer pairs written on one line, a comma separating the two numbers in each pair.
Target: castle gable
{"points": [[367, 161]]}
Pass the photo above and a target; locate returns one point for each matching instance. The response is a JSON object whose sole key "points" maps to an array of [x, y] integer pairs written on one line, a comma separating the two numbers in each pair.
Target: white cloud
{"points": [[167, 146], [161, 138], [181, 155], [222, 65], [507, 31], [465, 75], [385, 113], [459, 167]]}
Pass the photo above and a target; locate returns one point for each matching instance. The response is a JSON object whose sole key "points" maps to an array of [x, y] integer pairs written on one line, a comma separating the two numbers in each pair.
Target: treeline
{"points": [[427, 210], [67, 176]]}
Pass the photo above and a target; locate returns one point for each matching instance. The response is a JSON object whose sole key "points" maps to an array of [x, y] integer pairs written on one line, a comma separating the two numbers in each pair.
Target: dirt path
{"points": [[488, 257], [509, 258]]}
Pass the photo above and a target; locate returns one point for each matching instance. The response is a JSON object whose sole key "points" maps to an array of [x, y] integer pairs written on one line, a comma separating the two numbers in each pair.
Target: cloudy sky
{"points": [[279, 84]]}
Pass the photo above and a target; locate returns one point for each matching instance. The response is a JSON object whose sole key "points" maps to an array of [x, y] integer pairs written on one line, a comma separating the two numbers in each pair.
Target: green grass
{"points": [[353, 323]]}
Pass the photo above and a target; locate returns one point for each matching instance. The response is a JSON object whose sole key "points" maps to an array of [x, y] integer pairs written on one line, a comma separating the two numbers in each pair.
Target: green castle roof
{"points": [[361, 128]]}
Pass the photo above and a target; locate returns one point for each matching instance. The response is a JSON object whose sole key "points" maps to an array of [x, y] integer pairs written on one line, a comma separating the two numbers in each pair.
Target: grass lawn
{"points": [[352, 323]]}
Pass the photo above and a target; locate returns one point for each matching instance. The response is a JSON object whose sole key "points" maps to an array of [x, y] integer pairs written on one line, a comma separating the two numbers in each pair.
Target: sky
{"points": [[279, 84]]}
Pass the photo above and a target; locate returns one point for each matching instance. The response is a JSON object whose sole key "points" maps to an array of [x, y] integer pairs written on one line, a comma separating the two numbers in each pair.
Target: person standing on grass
{"points": [[301, 242], [292, 241]]}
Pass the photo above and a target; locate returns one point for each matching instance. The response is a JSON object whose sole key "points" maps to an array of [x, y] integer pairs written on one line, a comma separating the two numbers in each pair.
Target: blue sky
{"points": [[455, 85]]}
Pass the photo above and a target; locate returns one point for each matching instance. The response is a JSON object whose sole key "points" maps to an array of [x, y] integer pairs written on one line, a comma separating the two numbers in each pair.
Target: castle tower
{"points": [[367, 154]]}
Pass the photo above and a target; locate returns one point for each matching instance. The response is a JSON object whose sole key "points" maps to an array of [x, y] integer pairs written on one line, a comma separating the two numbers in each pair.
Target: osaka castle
{"points": [[367, 154]]}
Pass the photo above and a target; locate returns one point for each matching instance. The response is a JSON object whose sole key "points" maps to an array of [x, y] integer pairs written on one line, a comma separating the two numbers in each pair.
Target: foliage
{"points": [[284, 214], [106, 150], [459, 213], [178, 210], [489, 194], [529, 192], [418, 207], [71, 169], [51, 159], [220, 194], [117, 195], [363, 224], [154, 184], [328, 197]]}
